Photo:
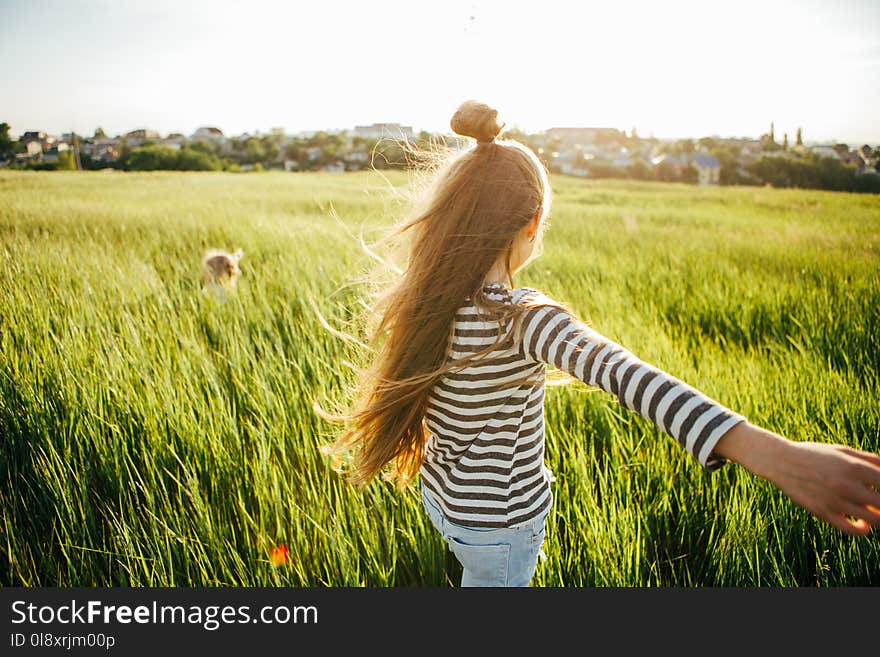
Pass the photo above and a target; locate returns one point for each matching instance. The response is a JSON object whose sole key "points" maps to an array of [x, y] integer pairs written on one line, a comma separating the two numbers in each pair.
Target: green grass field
{"points": [[150, 435]]}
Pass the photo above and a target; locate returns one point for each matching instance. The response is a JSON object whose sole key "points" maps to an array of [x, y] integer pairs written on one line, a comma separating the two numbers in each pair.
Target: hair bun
{"points": [[477, 120]]}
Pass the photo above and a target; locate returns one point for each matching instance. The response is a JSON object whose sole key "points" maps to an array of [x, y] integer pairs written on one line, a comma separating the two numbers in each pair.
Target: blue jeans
{"points": [[490, 557]]}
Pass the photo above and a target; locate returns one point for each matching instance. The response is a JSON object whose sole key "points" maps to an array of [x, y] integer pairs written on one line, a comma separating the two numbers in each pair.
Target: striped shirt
{"points": [[484, 457]]}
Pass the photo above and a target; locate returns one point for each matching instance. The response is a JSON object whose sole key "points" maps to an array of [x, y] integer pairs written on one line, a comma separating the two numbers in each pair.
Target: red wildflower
{"points": [[279, 556]]}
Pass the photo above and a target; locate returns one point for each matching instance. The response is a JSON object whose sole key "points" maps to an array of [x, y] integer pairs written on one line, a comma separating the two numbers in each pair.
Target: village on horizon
{"points": [[576, 151]]}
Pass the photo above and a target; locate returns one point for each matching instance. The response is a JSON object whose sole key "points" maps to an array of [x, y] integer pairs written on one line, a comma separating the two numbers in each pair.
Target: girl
{"points": [[455, 392]]}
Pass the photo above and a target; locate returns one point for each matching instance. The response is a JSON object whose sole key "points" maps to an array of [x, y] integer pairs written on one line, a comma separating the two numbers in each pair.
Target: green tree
{"points": [[124, 154], [868, 182], [296, 150], [640, 170], [203, 146], [728, 158], [666, 172], [270, 147], [66, 161], [99, 133], [768, 141], [811, 172], [152, 158], [388, 154], [689, 174], [685, 146], [253, 151], [7, 146], [331, 145], [194, 159]]}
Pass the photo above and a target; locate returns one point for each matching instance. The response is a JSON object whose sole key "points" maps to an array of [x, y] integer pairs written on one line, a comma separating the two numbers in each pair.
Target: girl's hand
{"points": [[837, 484]]}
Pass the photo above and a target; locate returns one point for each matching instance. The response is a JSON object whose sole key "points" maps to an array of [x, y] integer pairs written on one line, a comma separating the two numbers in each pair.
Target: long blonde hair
{"points": [[468, 217]]}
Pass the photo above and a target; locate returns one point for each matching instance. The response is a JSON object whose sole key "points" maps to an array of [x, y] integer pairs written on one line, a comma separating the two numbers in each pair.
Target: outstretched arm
{"points": [[837, 484], [696, 421]]}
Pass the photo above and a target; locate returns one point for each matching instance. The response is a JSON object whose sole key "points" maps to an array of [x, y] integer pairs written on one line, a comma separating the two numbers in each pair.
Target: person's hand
{"points": [[837, 484]]}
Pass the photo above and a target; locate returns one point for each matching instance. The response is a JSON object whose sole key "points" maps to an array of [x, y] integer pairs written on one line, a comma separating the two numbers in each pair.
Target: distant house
{"points": [[356, 156], [334, 167], [32, 147], [174, 141], [852, 158], [570, 169], [825, 151], [570, 163], [869, 163], [102, 148], [675, 165], [33, 135], [139, 137], [209, 134], [52, 155], [749, 150], [708, 169], [621, 159], [33, 143], [575, 138], [781, 154], [214, 136], [562, 162], [380, 130]]}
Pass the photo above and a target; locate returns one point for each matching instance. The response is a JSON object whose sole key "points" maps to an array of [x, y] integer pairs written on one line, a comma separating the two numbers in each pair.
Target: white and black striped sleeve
{"points": [[694, 420]]}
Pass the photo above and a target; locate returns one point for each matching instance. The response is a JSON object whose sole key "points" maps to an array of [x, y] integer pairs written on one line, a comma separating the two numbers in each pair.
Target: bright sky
{"points": [[671, 68]]}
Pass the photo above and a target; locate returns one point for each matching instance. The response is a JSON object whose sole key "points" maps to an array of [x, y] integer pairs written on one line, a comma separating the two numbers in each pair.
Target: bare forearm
{"points": [[756, 449]]}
